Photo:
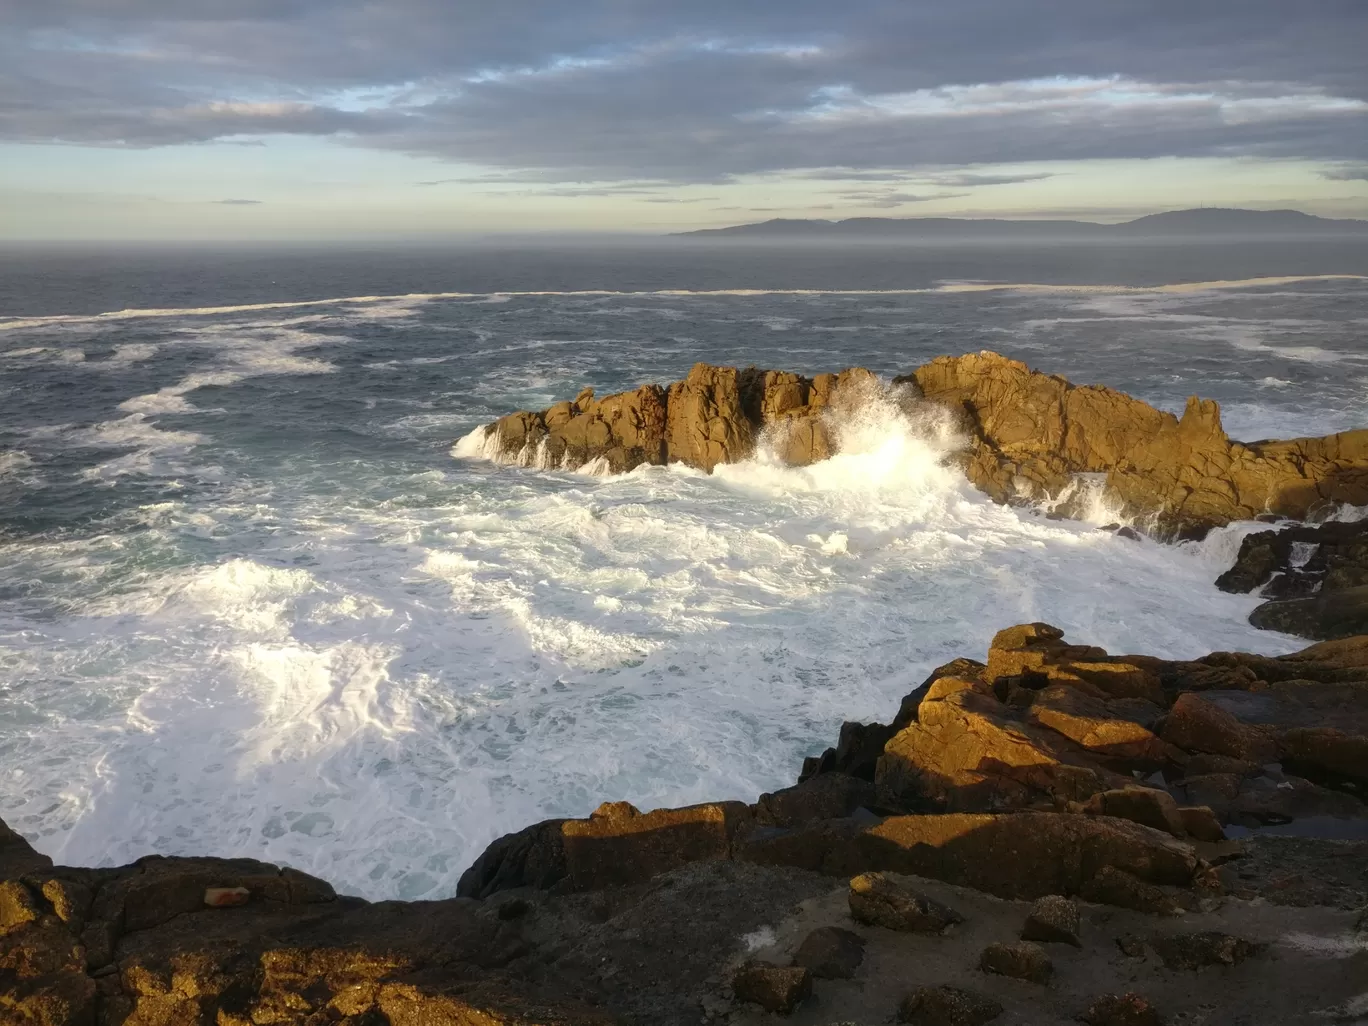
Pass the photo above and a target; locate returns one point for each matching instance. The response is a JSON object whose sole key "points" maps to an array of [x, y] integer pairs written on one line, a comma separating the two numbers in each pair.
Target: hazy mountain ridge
{"points": [[1195, 221]]}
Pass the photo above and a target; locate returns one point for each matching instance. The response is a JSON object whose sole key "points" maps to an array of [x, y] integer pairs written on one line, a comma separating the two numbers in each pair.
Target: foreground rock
{"points": [[1316, 579], [1051, 772], [1027, 437]]}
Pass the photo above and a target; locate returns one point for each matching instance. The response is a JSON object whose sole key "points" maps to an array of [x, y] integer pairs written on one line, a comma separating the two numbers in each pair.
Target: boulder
{"points": [[831, 953], [856, 753], [775, 988], [1020, 961], [947, 1006], [877, 899], [1325, 616], [1053, 919]]}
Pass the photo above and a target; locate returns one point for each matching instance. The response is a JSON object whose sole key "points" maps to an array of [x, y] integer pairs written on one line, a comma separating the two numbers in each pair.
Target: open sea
{"points": [[258, 599]]}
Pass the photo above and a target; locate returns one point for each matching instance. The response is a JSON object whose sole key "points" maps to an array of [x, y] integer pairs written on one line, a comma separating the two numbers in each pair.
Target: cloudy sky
{"points": [[319, 118]]}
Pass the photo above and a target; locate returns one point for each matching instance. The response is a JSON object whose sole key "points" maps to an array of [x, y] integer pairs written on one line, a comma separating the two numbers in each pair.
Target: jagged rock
{"points": [[1122, 1010], [1112, 731], [1037, 654], [1131, 946], [1196, 950], [775, 988], [1145, 805], [531, 857], [1317, 578], [947, 1006], [1114, 886], [1053, 919], [1032, 432], [878, 900], [825, 796], [1021, 961], [831, 953], [856, 753], [17, 856], [970, 752]]}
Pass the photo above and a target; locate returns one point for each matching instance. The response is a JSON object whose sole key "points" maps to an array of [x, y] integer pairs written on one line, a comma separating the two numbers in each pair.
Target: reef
{"points": [[1051, 835], [1025, 436]]}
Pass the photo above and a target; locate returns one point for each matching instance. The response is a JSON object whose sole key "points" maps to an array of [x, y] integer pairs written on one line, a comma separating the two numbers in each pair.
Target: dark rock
{"points": [[1145, 805], [1196, 950], [1325, 616], [775, 988], [1131, 946], [1054, 919], [831, 953], [1122, 1010], [825, 796], [878, 900], [947, 1006], [1021, 961]]}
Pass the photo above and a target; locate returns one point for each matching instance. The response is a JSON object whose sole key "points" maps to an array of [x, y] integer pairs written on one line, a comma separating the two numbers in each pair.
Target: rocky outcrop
{"points": [[1032, 433], [1315, 577], [1028, 437], [715, 415]]}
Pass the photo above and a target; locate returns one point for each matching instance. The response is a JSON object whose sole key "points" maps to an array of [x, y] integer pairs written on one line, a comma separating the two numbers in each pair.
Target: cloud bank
{"points": [[706, 91]]}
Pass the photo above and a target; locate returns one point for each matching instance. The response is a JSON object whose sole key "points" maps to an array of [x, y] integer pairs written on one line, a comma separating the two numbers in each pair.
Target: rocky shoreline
{"points": [[1038, 838]]}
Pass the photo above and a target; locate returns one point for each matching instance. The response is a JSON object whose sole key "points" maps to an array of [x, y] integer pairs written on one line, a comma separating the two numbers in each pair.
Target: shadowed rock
{"points": [[1053, 919], [831, 953], [1020, 961], [775, 988], [947, 1006]]}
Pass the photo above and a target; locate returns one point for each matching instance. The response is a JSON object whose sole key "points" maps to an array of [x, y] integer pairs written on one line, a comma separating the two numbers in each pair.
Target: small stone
{"points": [[947, 1006], [1112, 886], [878, 900], [1054, 919], [1021, 961], [226, 897], [1122, 1010], [831, 953], [775, 988], [1195, 950], [1131, 946]]}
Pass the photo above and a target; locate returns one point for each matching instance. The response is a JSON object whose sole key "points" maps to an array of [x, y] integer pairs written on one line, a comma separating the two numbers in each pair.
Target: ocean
{"points": [[260, 595]]}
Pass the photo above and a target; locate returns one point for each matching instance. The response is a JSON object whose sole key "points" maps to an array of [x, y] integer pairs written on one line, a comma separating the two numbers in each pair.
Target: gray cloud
{"points": [[237, 202], [873, 198], [701, 92], [1347, 174]]}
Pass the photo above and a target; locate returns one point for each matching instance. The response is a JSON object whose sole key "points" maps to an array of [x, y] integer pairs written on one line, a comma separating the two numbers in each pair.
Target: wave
{"points": [[17, 323]]}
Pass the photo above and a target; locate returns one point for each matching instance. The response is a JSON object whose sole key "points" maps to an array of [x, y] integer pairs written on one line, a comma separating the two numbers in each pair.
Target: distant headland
{"points": [[1201, 221]]}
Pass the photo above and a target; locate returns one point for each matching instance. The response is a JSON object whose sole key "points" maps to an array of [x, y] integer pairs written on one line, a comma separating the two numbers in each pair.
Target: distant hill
{"points": [[1196, 222]]}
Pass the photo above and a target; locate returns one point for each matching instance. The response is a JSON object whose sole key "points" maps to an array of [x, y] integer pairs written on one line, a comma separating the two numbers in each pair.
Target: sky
{"points": [[318, 119]]}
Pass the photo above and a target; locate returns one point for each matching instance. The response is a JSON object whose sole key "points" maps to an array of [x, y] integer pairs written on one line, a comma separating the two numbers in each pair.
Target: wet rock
{"points": [[1131, 946], [1113, 886], [1333, 614], [1054, 919], [1122, 1010], [775, 988], [1021, 961], [947, 1006], [1196, 950], [878, 900], [831, 953]]}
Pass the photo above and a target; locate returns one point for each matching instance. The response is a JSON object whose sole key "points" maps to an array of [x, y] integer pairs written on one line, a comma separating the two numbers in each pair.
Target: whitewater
{"points": [[261, 595]]}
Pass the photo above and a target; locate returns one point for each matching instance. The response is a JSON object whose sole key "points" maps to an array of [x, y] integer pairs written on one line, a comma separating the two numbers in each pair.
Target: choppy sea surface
{"points": [[251, 603]]}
